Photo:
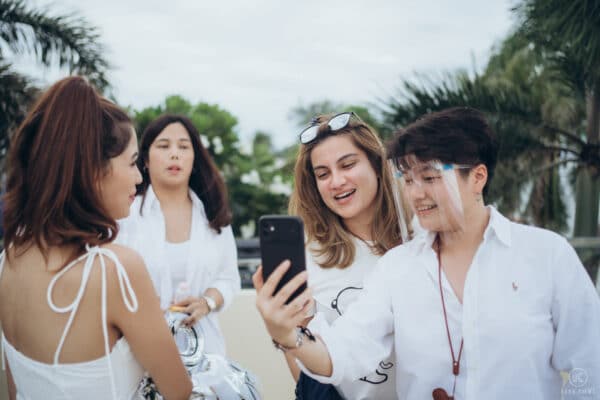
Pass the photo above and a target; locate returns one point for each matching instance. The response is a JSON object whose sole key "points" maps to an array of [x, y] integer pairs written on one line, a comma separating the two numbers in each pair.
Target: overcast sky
{"points": [[258, 59]]}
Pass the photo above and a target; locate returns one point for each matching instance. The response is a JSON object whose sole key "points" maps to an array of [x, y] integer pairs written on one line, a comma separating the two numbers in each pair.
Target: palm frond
{"points": [[16, 94], [568, 29], [68, 40]]}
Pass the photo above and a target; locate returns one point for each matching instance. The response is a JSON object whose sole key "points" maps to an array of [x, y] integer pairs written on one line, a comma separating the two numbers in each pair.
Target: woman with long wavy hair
{"points": [[343, 193]]}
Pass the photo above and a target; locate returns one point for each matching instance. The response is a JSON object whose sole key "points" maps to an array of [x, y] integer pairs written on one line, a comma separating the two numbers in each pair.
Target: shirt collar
{"points": [[422, 241], [151, 203], [498, 226]]}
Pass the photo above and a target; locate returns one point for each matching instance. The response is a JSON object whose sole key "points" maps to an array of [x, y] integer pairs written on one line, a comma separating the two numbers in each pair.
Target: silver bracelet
{"points": [[300, 333]]}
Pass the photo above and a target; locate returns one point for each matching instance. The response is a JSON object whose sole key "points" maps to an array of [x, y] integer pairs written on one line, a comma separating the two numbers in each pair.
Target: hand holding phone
{"points": [[282, 238]]}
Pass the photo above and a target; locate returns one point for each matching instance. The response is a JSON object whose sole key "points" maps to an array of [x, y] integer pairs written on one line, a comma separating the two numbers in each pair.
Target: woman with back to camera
{"points": [[479, 306], [343, 193], [79, 314], [180, 224]]}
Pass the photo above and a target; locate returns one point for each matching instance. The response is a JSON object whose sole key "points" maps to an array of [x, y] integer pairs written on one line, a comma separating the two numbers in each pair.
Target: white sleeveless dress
{"points": [[114, 376]]}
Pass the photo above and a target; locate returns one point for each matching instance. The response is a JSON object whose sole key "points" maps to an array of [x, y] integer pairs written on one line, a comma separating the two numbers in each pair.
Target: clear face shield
{"points": [[431, 191], [405, 216]]}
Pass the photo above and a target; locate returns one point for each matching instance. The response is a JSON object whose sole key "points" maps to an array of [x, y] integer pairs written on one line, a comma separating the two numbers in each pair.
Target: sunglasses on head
{"points": [[337, 122]]}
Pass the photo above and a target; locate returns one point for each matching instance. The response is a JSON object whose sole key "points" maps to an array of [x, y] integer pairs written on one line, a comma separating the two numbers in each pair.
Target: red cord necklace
{"points": [[439, 393]]}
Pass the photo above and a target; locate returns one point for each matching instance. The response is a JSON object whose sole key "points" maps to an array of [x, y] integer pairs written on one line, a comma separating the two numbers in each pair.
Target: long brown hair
{"points": [[323, 227], [55, 162], [206, 180]]}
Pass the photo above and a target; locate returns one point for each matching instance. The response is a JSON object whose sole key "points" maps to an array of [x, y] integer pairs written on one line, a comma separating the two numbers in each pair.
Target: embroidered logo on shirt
{"points": [[382, 376], [515, 286]]}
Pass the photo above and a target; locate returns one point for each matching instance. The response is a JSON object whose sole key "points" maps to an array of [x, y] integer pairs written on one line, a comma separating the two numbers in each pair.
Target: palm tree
{"points": [[67, 41], [569, 32]]}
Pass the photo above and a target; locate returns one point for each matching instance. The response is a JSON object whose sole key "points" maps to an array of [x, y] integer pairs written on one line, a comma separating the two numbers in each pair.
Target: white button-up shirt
{"points": [[211, 259], [529, 311]]}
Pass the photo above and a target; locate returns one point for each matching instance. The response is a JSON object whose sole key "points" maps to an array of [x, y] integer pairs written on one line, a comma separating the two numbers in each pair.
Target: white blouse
{"points": [[211, 259], [335, 290], [529, 311], [177, 254]]}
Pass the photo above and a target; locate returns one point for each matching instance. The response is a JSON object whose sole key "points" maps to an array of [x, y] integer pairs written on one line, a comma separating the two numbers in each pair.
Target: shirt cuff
{"points": [[227, 290]]}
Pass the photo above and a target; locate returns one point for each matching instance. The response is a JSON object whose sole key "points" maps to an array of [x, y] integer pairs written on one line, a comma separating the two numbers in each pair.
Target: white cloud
{"points": [[258, 59]]}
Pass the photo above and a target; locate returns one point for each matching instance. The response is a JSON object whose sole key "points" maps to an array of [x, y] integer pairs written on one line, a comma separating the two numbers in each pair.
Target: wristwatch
{"points": [[210, 302]]}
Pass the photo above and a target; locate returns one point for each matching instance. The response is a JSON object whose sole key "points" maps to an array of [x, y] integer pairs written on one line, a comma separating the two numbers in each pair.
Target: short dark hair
{"points": [[55, 161], [459, 135], [206, 180]]}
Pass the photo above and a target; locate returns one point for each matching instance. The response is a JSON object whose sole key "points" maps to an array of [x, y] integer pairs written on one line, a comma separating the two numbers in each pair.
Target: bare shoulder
{"points": [[134, 273], [132, 261]]}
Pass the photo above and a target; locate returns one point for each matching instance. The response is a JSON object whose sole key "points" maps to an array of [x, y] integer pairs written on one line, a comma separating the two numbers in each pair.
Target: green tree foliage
{"points": [[65, 40], [261, 187], [16, 93], [255, 185]]}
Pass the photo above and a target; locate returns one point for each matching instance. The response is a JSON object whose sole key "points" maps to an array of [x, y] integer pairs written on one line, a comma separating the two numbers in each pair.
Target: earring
{"points": [[479, 197]]}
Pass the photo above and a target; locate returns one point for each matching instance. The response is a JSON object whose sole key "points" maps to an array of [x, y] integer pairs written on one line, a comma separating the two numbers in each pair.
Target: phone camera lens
{"points": [[268, 228]]}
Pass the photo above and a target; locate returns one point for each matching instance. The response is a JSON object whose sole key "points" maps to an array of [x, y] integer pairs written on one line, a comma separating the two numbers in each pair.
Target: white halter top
{"points": [[96, 379]]}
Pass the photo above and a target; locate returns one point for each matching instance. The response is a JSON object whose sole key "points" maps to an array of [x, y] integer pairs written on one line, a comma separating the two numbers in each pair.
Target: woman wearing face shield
{"points": [[480, 307]]}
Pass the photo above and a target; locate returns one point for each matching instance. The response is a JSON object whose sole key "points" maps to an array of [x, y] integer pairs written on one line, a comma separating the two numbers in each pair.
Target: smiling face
{"points": [[171, 157], [117, 187], [441, 197], [346, 180]]}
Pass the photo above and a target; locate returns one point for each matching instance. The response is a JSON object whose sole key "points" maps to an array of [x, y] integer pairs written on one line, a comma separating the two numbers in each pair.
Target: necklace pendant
{"points": [[440, 394], [455, 368]]}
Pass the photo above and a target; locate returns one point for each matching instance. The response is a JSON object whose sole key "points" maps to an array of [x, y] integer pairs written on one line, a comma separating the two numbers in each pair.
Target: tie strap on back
{"points": [[127, 294]]}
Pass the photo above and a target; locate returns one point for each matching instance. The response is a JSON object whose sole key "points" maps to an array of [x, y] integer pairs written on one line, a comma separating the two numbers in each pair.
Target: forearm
{"points": [[216, 295], [227, 276], [314, 356], [228, 287], [282, 320], [294, 369]]}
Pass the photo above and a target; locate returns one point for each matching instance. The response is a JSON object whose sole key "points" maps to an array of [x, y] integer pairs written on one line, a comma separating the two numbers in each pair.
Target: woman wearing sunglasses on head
{"points": [[480, 307], [180, 224], [343, 193], [79, 315]]}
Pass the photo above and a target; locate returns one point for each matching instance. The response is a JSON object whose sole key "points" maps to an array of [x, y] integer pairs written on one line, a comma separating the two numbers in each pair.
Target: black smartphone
{"points": [[282, 238]]}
